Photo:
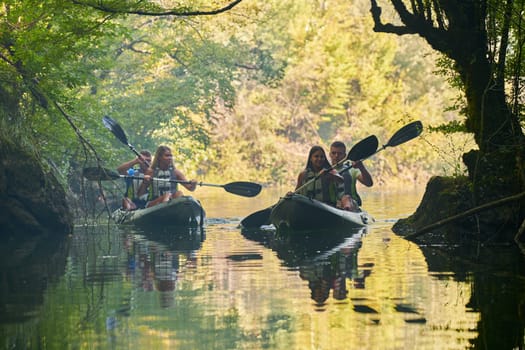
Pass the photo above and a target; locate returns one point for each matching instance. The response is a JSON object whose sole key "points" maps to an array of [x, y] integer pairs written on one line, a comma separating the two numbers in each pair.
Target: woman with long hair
{"points": [[156, 180]]}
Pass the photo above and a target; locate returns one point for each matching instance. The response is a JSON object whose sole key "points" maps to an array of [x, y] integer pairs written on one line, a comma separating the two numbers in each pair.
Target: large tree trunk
{"points": [[457, 29]]}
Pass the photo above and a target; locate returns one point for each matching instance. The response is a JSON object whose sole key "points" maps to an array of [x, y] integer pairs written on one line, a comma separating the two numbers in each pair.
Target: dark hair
{"points": [[145, 152], [338, 144], [314, 149]]}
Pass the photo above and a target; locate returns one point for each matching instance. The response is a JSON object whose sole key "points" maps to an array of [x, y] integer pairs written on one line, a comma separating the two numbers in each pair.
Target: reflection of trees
{"points": [[26, 267], [498, 296]]}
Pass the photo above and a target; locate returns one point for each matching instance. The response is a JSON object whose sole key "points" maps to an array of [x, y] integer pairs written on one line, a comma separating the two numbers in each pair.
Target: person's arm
{"points": [[364, 177], [300, 179], [143, 188], [191, 186], [123, 168]]}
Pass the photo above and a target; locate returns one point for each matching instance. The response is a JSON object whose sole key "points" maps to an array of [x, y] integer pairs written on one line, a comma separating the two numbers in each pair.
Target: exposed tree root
{"points": [[470, 212], [517, 238]]}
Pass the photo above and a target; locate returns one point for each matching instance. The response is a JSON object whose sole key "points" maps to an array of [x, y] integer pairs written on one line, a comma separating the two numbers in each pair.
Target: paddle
{"points": [[119, 133], [363, 149], [405, 134], [241, 188]]}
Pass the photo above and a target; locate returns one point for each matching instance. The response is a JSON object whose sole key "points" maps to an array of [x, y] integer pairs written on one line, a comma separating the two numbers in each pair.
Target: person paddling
{"points": [[347, 192], [162, 167], [324, 187], [131, 200]]}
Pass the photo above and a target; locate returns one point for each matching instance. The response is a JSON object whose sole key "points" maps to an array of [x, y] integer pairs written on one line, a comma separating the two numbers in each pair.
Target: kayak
{"points": [[181, 211], [300, 213]]}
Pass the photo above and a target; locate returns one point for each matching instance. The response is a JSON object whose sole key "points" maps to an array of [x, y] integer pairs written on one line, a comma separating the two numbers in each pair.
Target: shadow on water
{"points": [[27, 266], [498, 292]]}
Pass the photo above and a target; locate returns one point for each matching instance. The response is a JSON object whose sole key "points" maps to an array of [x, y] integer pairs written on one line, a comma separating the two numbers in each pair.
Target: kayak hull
{"points": [[181, 211], [300, 213]]}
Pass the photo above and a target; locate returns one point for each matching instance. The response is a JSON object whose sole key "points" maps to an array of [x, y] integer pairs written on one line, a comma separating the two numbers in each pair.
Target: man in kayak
{"points": [[131, 200], [347, 192]]}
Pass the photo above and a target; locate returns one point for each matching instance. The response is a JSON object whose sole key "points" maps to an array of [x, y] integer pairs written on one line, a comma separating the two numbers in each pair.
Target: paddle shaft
{"points": [[163, 180], [170, 180]]}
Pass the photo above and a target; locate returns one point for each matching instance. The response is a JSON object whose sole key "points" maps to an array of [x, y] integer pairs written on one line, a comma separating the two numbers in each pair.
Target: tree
{"points": [[49, 52], [460, 30], [480, 38]]}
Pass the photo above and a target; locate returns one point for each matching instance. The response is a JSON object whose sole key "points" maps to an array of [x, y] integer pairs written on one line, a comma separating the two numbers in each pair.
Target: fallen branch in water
{"points": [[469, 212], [517, 238]]}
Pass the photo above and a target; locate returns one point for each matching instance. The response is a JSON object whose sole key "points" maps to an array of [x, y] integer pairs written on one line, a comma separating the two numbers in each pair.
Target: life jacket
{"points": [[349, 185], [321, 189], [132, 185], [158, 188]]}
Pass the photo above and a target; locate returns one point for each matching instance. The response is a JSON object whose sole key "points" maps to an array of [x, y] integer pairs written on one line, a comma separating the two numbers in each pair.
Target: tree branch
{"points": [[517, 238], [173, 12], [386, 28], [469, 212]]}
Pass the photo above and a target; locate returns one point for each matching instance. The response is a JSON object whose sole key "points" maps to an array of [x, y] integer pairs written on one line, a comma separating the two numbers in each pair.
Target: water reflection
{"points": [[154, 258], [27, 265], [223, 288], [331, 270], [498, 293], [327, 260]]}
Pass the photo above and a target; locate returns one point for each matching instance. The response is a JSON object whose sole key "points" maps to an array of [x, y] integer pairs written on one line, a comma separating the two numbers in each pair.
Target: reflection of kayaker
{"points": [[166, 272], [332, 269]]}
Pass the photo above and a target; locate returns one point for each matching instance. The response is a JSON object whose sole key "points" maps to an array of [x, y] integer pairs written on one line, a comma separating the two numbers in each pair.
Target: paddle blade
{"points": [[257, 219], [363, 149], [115, 128], [243, 188], [406, 133], [99, 174]]}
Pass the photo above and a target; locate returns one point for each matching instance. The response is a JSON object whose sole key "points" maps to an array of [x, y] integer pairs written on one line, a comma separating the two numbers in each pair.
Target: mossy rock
{"points": [[32, 201], [446, 197]]}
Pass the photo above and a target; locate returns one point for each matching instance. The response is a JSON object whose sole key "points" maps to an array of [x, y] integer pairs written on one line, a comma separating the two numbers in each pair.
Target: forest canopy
{"points": [[242, 94]]}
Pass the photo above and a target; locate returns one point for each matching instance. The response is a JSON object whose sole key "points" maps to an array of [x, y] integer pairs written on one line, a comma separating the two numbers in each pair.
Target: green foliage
{"points": [[243, 94]]}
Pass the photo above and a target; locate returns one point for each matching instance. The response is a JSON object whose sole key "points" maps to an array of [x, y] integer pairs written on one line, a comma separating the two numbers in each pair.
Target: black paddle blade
{"points": [[363, 149], [99, 174], [257, 219], [406, 133], [243, 188], [115, 128]]}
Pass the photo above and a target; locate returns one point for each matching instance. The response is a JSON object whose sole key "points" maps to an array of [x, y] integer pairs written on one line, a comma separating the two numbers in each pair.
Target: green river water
{"points": [[218, 287]]}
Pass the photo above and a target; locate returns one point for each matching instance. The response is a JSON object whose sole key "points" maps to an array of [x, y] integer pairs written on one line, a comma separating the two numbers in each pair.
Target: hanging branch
{"points": [[469, 212], [517, 238], [173, 12]]}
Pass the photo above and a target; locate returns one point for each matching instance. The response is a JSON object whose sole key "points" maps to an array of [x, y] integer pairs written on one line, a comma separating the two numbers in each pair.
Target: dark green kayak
{"points": [[297, 212], [182, 211]]}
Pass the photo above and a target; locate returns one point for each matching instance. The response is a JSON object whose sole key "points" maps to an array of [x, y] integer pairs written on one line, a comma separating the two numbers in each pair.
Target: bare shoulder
{"points": [[178, 174]]}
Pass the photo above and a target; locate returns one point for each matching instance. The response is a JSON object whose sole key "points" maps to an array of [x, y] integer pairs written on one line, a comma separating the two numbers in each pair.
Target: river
{"points": [[106, 287]]}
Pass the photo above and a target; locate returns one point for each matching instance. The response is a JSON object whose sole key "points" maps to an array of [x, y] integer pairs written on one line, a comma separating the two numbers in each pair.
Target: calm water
{"points": [[222, 288]]}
